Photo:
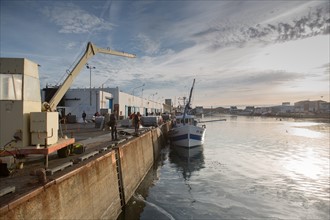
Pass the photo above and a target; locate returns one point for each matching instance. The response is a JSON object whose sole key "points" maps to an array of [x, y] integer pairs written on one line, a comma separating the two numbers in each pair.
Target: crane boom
{"points": [[91, 50]]}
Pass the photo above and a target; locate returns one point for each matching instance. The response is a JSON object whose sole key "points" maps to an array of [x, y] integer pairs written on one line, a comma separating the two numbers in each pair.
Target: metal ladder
{"points": [[119, 178]]}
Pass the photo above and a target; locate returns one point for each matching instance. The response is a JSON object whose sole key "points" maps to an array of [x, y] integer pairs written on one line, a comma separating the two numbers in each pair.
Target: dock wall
{"points": [[97, 190]]}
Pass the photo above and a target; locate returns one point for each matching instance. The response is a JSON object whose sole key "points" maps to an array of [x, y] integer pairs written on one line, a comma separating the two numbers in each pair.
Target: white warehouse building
{"points": [[75, 101]]}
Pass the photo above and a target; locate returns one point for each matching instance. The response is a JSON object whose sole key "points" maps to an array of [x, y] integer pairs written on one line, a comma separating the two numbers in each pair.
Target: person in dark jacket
{"points": [[137, 122], [113, 126], [84, 117]]}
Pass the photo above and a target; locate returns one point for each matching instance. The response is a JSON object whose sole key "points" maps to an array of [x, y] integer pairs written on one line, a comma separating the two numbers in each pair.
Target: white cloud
{"points": [[150, 47], [71, 45], [303, 55], [73, 19], [255, 51]]}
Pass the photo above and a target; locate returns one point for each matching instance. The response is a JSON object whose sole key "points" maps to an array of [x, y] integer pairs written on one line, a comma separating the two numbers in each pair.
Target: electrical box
{"points": [[44, 128]]}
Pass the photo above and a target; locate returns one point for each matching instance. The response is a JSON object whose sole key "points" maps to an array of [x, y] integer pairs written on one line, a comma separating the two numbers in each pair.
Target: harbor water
{"points": [[248, 168]]}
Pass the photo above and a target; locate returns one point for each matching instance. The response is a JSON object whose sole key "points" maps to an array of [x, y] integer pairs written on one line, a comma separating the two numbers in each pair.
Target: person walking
{"points": [[113, 126], [137, 122], [84, 116], [132, 116]]}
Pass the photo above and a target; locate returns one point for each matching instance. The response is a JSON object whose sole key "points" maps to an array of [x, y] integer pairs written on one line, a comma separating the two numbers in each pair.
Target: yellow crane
{"points": [[91, 50]]}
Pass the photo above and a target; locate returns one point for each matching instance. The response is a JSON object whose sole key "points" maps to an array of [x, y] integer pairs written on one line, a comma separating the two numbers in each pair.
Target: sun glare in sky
{"points": [[302, 56]]}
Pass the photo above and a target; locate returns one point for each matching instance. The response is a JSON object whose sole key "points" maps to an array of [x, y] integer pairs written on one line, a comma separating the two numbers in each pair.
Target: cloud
{"points": [[225, 33], [150, 47], [234, 49], [326, 71], [74, 20], [268, 78], [71, 45], [248, 79]]}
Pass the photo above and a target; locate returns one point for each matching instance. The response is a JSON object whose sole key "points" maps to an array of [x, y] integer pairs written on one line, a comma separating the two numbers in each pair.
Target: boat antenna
{"points": [[188, 103]]}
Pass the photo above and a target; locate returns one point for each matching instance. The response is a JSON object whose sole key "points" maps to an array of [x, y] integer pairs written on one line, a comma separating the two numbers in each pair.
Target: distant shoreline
{"points": [[315, 118]]}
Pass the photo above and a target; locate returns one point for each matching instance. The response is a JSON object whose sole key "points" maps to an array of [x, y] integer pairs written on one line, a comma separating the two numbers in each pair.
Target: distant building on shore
{"points": [[233, 110], [301, 108], [317, 106]]}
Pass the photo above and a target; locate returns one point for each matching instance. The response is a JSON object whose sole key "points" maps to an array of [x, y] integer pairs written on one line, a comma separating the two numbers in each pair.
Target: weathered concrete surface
{"points": [[90, 190], [136, 159], [159, 138]]}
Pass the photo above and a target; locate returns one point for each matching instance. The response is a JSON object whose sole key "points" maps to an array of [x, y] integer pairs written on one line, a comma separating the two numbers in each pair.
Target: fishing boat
{"points": [[185, 132]]}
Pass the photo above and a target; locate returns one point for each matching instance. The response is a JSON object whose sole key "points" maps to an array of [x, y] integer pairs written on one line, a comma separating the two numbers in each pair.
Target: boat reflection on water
{"points": [[187, 160], [140, 206]]}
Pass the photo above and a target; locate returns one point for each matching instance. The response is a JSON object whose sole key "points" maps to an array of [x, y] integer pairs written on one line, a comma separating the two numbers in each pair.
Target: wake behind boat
{"points": [[185, 132]]}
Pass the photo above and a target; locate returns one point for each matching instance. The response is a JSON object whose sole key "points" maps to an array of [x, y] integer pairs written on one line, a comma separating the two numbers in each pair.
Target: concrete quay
{"points": [[92, 185]]}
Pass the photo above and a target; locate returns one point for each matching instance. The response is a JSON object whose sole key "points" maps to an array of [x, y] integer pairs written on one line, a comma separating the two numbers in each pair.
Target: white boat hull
{"points": [[187, 136], [188, 153]]}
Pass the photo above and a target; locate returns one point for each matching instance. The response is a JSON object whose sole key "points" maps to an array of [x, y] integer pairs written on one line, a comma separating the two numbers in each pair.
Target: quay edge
{"points": [[98, 189]]}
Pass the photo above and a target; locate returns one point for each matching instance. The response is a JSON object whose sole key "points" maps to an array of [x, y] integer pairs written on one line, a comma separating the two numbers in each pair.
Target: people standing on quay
{"points": [[113, 126], [137, 122]]}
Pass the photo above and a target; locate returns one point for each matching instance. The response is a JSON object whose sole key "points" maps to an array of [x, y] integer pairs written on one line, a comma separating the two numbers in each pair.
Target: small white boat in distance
{"points": [[185, 132]]}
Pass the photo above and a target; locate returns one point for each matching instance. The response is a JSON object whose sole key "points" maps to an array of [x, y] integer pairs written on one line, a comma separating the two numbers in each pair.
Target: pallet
{"points": [[5, 191], [85, 157], [50, 172]]}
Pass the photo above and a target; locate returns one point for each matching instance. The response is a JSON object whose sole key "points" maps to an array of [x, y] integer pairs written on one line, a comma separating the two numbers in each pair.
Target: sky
{"points": [[240, 52]]}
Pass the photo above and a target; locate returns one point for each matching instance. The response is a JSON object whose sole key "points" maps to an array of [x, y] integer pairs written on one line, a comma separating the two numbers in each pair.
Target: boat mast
{"points": [[188, 103]]}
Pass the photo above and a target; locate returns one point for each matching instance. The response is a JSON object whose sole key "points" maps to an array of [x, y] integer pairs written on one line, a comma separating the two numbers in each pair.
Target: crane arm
{"points": [[91, 50]]}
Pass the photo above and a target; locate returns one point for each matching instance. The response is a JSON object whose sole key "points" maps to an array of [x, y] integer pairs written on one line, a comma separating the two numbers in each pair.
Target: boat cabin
{"points": [[188, 120]]}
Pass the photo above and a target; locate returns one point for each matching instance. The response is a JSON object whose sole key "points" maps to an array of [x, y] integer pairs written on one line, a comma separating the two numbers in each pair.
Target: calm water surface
{"points": [[248, 168]]}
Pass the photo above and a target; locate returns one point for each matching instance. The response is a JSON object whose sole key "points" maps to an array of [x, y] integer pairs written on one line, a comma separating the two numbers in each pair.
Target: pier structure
{"points": [[92, 185]]}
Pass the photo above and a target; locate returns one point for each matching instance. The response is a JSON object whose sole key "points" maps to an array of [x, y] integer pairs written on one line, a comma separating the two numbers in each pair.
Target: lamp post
{"points": [[159, 103], [153, 104], [142, 99], [134, 90], [159, 99], [137, 88], [90, 81], [102, 102], [152, 96]]}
